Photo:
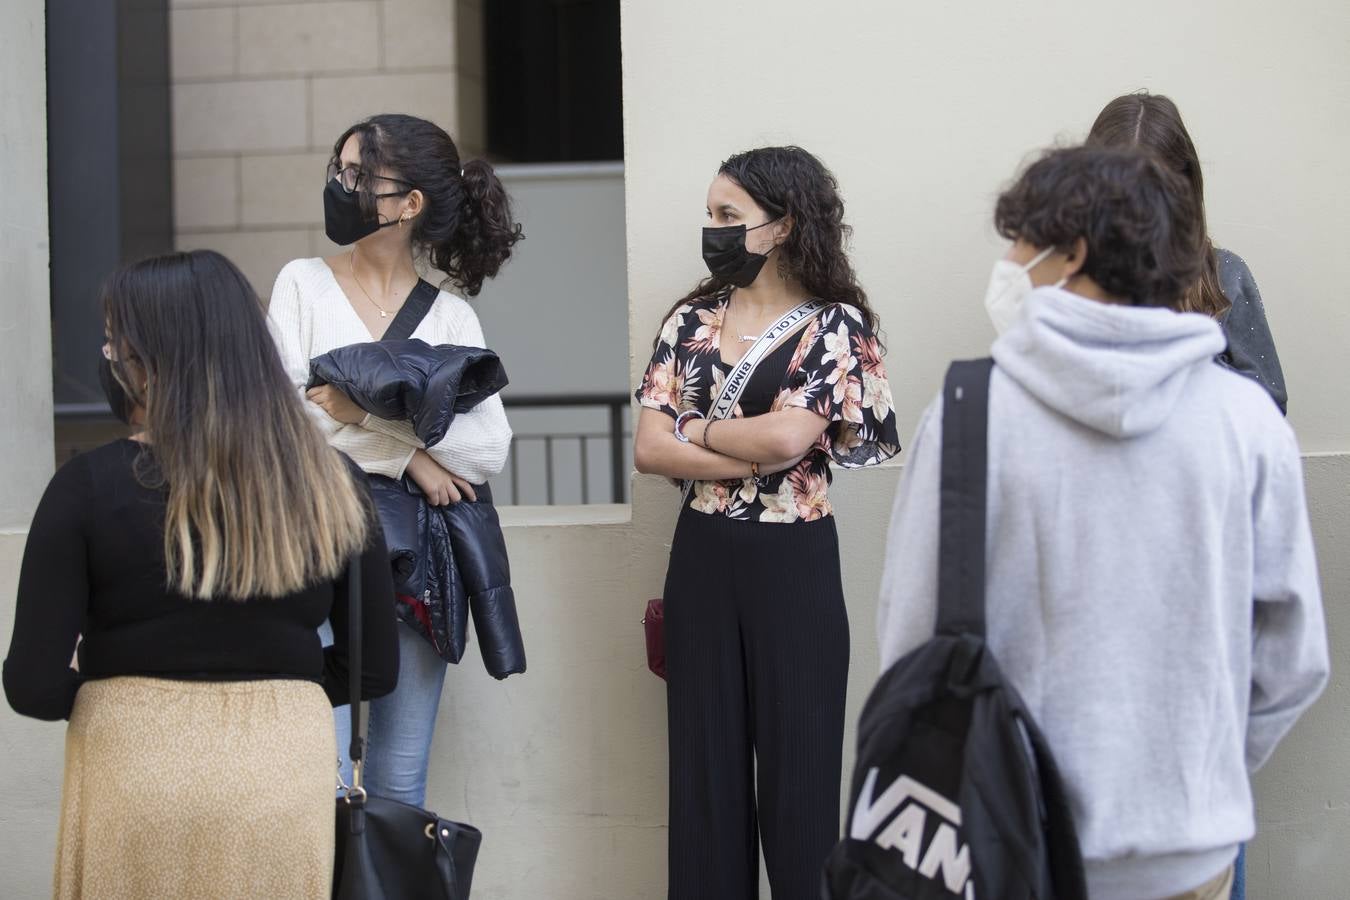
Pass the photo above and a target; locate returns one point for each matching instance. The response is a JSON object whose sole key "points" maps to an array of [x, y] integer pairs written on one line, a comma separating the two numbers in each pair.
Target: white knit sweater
{"points": [[310, 315]]}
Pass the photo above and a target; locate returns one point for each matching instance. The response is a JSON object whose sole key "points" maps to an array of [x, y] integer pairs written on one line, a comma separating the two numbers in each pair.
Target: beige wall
{"points": [[1303, 793], [922, 114], [924, 110], [261, 89], [27, 776], [25, 329]]}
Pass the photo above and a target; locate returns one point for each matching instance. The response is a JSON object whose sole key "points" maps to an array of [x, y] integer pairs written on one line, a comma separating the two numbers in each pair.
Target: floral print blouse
{"points": [[834, 369]]}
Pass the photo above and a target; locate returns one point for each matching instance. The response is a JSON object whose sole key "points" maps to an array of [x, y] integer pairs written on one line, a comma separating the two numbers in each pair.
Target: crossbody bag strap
{"points": [[356, 750], [406, 320], [734, 385], [965, 475], [412, 312]]}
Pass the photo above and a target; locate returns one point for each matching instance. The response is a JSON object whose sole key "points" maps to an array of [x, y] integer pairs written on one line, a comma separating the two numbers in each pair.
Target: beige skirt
{"points": [[178, 789]]}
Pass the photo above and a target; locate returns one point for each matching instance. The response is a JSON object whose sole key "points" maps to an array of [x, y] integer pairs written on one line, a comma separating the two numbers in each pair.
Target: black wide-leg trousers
{"points": [[757, 649]]}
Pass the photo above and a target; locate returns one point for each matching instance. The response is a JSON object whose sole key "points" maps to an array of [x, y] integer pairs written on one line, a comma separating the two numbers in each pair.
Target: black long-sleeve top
{"points": [[94, 567]]}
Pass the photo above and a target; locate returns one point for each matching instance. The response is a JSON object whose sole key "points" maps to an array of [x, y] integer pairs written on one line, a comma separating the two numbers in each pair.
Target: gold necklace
{"points": [[351, 264], [741, 338]]}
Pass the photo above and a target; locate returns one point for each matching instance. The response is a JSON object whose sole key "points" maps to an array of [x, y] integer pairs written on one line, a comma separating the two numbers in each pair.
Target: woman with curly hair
{"points": [[756, 631], [397, 190], [1150, 583]]}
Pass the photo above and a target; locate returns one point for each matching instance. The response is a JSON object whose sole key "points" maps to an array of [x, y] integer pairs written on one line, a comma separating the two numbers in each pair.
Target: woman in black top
{"points": [[192, 566], [1226, 290], [757, 638]]}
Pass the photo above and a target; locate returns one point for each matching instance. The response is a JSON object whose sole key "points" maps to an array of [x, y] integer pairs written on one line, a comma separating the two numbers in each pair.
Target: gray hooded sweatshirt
{"points": [[1151, 586]]}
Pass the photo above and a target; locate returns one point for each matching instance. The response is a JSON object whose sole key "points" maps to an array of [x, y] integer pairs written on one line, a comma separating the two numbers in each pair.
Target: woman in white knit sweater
{"points": [[396, 191]]}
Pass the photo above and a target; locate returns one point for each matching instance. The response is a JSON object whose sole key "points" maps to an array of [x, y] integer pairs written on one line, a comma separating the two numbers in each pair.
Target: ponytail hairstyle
{"points": [[1153, 123], [465, 229], [788, 181], [258, 504]]}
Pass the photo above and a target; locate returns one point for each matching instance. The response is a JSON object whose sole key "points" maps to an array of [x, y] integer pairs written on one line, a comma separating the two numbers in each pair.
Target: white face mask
{"points": [[1009, 285]]}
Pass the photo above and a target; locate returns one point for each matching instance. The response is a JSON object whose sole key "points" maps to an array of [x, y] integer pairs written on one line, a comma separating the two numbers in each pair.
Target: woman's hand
{"points": [[337, 404], [441, 488]]}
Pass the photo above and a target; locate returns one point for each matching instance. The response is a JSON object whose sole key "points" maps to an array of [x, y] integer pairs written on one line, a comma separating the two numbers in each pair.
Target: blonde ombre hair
{"points": [[258, 504]]}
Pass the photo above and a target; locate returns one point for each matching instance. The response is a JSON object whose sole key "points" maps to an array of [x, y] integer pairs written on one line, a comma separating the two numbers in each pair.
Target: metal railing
{"points": [[615, 436], [81, 427]]}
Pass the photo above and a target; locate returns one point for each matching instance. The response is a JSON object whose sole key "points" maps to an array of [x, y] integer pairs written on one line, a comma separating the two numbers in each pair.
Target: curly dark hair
{"points": [[465, 229], [788, 181], [1153, 122], [1140, 220]]}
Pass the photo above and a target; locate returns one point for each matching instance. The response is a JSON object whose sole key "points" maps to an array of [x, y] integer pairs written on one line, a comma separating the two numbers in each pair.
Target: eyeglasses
{"points": [[353, 179]]}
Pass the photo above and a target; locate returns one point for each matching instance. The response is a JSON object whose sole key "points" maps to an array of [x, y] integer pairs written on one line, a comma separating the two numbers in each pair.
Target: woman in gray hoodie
{"points": [[1226, 290], [1151, 586]]}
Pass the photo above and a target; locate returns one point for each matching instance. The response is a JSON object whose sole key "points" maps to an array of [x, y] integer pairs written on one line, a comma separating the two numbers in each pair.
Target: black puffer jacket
{"points": [[452, 560], [449, 562], [412, 381]]}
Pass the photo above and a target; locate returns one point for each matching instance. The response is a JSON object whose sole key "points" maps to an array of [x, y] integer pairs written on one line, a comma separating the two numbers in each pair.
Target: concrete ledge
{"points": [[562, 516]]}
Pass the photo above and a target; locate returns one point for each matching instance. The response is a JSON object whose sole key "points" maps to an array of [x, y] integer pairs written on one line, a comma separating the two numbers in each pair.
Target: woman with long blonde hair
{"points": [[192, 565]]}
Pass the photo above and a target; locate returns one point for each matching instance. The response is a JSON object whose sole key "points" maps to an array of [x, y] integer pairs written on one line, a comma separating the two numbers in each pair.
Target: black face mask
{"points": [[344, 221], [726, 257], [118, 401]]}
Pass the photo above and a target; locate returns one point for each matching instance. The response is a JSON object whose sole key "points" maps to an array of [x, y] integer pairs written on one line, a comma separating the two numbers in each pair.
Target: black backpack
{"points": [[955, 793]]}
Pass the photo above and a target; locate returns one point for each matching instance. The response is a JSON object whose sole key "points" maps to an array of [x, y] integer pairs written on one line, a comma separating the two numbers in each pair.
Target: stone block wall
{"points": [[262, 88]]}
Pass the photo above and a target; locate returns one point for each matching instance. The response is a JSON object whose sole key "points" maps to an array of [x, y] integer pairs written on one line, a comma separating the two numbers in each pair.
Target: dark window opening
{"points": [[554, 88], [109, 178]]}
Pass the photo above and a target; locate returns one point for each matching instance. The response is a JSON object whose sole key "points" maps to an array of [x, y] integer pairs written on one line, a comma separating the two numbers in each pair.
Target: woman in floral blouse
{"points": [[757, 637]]}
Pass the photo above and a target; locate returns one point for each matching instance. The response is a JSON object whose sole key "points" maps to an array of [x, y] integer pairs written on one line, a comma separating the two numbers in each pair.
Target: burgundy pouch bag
{"points": [[654, 622]]}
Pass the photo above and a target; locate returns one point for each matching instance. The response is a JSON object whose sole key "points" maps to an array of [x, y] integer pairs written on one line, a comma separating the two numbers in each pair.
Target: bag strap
{"points": [[962, 520], [356, 750], [406, 320], [739, 377], [412, 312]]}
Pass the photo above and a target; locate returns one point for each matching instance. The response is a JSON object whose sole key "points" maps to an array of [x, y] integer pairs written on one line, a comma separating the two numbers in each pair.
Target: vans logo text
{"points": [[905, 832]]}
